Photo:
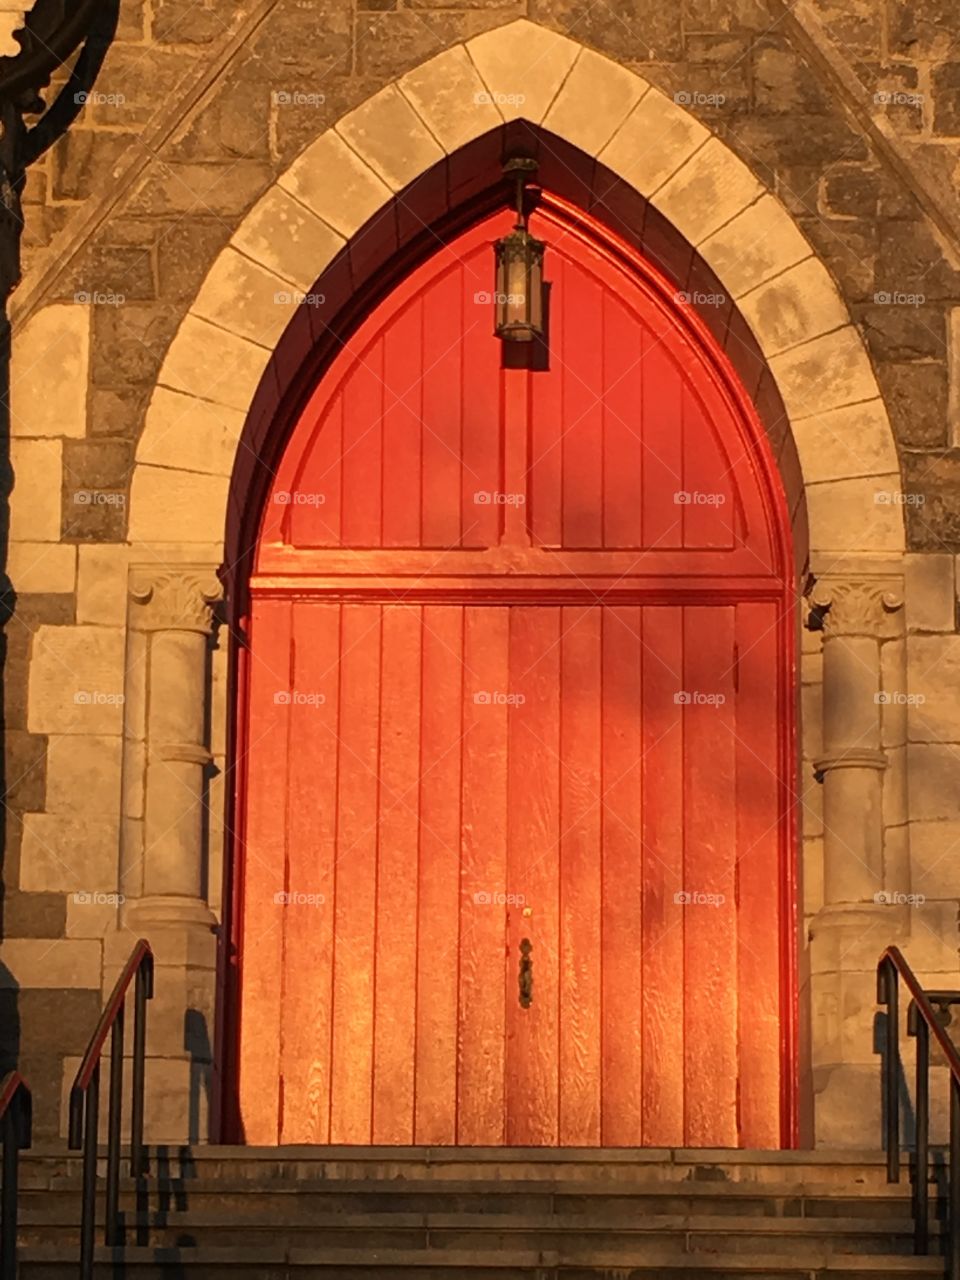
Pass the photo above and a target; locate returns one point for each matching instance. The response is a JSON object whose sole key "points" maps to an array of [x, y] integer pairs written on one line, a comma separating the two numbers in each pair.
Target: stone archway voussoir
{"points": [[344, 202], [186, 503], [801, 304], [712, 187], [760, 242], [852, 442], [594, 101], [826, 373], [287, 238], [189, 434], [213, 364], [655, 140], [449, 96], [853, 516], [245, 299], [391, 138], [523, 67]]}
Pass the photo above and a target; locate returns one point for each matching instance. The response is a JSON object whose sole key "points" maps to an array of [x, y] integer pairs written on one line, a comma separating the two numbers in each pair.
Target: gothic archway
{"points": [[357, 201]]}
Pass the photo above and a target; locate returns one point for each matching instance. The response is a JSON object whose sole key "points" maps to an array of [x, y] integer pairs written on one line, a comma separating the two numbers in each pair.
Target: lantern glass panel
{"points": [[535, 291], [519, 303]]}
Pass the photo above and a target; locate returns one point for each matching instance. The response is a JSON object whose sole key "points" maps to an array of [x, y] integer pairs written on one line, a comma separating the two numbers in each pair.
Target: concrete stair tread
{"points": [[652, 1256], [289, 1182], [788, 1224], [45, 1149], [449, 1257], [220, 1255], [513, 1164], [446, 1266]]}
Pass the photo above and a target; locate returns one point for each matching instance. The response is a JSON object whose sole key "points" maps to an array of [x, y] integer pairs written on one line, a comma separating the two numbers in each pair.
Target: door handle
{"points": [[526, 974]]}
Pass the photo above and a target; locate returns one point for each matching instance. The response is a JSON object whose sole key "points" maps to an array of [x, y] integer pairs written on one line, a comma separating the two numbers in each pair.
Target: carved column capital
{"points": [[855, 606], [175, 599]]}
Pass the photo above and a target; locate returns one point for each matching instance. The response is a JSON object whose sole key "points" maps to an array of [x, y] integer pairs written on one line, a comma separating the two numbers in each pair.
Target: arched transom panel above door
{"points": [[516, 731], [617, 440]]}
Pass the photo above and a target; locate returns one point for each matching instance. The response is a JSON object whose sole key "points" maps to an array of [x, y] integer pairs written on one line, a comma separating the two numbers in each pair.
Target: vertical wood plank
{"points": [[710, 518], [533, 875], [481, 400], [547, 415], [397, 879], [514, 530], [439, 875], [444, 347], [709, 859], [622, 894], [361, 518], [311, 862], [264, 871], [622, 426], [580, 877], [355, 894], [760, 837], [480, 1100], [313, 516], [662, 451], [402, 460], [583, 412], [663, 977]]}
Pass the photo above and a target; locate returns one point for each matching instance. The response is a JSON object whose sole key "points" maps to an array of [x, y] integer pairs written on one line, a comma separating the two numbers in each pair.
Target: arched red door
{"points": [[516, 862]]}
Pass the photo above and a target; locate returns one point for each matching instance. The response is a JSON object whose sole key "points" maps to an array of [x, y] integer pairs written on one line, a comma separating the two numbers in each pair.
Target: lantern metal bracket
{"points": [[520, 168]]}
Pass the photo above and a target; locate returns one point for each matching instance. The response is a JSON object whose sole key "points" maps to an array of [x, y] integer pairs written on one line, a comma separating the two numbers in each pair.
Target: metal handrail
{"points": [[16, 1134], [85, 1102], [922, 1021]]}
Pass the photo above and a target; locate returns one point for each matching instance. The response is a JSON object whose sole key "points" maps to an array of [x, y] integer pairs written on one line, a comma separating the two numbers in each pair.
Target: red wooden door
{"points": [[518, 707]]}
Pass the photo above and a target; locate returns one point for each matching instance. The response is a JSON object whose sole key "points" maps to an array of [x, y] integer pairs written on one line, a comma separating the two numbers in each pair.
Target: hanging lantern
{"points": [[518, 300]]}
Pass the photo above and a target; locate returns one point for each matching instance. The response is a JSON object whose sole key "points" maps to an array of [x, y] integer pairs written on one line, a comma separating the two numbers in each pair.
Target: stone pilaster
{"points": [[857, 616], [171, 624], [865, 874]]}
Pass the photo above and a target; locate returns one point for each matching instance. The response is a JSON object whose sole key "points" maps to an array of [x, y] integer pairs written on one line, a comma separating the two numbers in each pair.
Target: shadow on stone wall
{"points": [[9, 1021], [10, 990], [196, 1041]]}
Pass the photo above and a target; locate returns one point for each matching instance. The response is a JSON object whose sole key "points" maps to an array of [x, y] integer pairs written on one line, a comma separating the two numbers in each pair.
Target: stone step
{"points": [[256, 1215], [302, 1264], [436, 1214], [619, 1244], [603, 1165], [287, 1201]]}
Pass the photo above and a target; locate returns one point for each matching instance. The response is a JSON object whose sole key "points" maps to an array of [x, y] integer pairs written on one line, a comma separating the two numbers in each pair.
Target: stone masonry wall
{"points": [[849, 112]]}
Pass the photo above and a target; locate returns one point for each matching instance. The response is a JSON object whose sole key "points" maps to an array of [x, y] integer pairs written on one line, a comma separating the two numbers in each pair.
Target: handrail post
{"points": [[85, 1103], [923, 1023], [16, 1134], [887, 991], [143, 991], [8, 1208], [921, 1166], [953, 1239], [89, 1207], [112, 1223]]}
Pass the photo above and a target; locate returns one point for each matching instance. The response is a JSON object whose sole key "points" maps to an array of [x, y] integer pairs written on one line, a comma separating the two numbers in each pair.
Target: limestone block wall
{"points": [[932, 716], [846, 116]]}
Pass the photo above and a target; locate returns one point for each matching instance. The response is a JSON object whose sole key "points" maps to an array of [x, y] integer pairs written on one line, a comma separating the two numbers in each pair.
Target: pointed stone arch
{"points": [[221, 368]]}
